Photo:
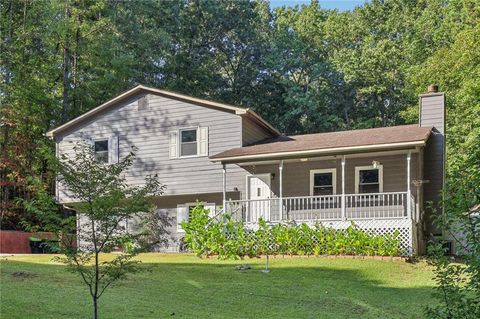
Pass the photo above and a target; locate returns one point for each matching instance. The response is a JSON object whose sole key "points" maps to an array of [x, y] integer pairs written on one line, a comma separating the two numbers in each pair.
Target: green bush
{"points": [[229, 239]]}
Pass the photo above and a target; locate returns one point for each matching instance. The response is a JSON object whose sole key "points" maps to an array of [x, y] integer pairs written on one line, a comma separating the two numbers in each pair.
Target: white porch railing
{"points": [[323, 208]]}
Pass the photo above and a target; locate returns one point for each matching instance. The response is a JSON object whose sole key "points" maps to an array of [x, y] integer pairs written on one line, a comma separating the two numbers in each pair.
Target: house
{"points": [[227, 156]]}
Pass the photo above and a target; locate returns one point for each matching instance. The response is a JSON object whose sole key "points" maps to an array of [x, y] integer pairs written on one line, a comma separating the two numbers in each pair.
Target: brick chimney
{"points": [[432, 113]]}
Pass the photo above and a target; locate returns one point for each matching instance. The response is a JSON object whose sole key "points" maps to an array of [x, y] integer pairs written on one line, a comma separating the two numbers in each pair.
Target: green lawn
{"points": [[184, 286]]}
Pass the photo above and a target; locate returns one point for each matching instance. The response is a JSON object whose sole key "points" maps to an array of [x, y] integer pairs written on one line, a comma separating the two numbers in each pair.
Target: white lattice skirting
{"points": [[382, 227], [377, 227]]}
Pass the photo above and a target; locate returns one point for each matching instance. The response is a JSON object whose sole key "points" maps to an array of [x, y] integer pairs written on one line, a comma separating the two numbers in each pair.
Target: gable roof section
{"points": [[404, 136], [176, 96]]}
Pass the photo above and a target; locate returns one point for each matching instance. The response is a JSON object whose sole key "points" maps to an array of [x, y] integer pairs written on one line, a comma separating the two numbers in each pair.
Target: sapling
{"points": [[103, 202]]}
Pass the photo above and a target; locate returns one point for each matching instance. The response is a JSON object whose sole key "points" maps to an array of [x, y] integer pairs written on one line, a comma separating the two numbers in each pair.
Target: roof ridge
{"points": [[361, 129]]}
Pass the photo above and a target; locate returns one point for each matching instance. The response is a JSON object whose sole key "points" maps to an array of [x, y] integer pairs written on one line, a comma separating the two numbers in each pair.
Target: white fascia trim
{"points": [[321, 151]]}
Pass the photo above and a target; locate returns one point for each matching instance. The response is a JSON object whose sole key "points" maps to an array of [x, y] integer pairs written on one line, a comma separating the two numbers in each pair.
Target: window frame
{"points": [[189, 206], [333, 171], [102, 139], [365, 168], [179, 141]]}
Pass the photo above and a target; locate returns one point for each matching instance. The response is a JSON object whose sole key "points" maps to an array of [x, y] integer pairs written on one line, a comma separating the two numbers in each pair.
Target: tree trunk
{"points": [[66, 61], [75, 69], [95, 307], [65, 84]]}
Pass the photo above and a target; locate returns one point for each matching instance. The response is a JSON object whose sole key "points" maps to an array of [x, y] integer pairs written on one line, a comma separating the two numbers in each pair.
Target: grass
{"points": [[184, 286]]}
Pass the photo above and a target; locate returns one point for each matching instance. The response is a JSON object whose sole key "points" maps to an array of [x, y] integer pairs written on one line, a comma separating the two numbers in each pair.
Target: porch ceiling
{"points": [[334, 143]]}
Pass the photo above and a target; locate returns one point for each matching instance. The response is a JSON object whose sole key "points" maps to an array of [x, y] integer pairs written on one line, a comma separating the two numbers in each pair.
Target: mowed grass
{"points": [[184, 286]]}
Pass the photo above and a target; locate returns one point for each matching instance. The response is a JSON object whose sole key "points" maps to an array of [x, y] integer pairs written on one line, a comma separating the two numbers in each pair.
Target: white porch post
{"points": [[224, 193], [280, 181], [343, 189], [409, 194]]}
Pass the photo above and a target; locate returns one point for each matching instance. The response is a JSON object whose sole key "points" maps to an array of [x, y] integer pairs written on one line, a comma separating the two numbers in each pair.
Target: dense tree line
{"points": [[304, 69]]}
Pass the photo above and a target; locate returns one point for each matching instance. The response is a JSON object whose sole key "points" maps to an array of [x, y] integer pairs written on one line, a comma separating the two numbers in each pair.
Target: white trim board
{"points": [[330, 157], [320, 151]]}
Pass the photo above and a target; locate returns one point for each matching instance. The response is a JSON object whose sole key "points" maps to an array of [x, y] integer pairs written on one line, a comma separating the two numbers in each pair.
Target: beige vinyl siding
{"points": [[296, 176], [148, 130], [252, 133]]}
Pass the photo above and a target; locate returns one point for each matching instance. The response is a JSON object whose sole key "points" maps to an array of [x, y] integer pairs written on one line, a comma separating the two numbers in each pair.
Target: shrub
{"points": [[229, 239]]}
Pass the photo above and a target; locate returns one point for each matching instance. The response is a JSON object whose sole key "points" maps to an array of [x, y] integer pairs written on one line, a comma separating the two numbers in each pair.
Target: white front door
{"points": [[259, 194]]}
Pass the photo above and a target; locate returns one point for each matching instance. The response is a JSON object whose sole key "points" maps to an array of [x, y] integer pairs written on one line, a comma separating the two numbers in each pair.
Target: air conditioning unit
{"points": [[447, 244]]}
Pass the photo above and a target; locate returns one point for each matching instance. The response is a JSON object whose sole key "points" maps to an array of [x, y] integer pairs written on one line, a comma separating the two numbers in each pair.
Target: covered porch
{"points": [[346, 187], [372, 178]]}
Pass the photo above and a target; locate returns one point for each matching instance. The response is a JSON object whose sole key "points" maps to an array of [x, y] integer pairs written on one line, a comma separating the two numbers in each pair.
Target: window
{"points": [[323, 182], [101, 151], [184, 211], [188, 142], [369, 179]]}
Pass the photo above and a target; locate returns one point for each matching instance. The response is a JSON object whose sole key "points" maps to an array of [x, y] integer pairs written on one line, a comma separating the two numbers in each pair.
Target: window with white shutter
{"points": [[188, 142]]}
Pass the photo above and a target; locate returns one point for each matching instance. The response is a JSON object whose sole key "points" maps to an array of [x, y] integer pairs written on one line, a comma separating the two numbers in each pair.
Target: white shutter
{"points": [[203, 141], [211, 207], [113, 149], [173, 144], [182, 215]]}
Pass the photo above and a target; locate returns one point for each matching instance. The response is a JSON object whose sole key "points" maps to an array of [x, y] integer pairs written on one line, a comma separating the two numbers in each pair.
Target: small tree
{"points": [[103, 202]]}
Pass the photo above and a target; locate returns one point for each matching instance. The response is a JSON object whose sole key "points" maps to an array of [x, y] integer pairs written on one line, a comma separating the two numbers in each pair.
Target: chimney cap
{"points": [[432, 88]]}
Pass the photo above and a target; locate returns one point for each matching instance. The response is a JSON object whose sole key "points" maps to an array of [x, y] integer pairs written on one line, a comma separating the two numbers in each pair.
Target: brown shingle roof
{"points": [[382, 137]]}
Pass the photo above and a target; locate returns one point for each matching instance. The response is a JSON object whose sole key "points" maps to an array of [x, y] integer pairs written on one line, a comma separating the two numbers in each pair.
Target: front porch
{"points": [[376, 214], [371, 190]]}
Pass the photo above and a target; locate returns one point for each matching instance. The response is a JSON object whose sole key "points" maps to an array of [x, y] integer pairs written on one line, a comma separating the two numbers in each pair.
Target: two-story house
{"points": [[229, 157]]}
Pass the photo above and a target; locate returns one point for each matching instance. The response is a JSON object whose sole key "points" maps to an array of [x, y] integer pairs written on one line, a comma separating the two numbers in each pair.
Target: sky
{"points": [[341, 5]]}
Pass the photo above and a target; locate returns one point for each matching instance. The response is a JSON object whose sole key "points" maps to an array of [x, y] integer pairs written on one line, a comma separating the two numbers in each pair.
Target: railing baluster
{"points": [[373, 199], [399, 203], [385, 203], [391, 204], [326, 207], [310, 208]]}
